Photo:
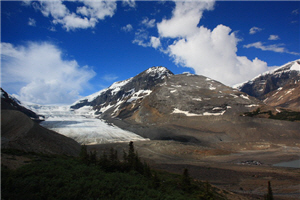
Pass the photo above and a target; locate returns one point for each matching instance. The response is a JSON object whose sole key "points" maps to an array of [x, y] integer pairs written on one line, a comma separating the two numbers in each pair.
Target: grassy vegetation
{"points": [[283, 115], [91, 177]]}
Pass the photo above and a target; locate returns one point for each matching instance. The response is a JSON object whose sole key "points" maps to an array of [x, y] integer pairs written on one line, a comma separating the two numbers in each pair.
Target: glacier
{"points": [[82, 125]]}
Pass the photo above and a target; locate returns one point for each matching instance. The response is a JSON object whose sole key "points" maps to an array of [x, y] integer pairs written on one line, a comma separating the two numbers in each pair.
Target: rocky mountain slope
{"points": [[187, 108], [18, 131], [129, 90], [287, 97], [181, 93], [279, 87], [8, 102]]}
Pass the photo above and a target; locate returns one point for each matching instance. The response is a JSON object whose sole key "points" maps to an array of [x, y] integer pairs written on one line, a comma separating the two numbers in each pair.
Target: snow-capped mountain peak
{"points": [[271, 80], [296, 66], [290, 67], [160, 71], [122, 93]]}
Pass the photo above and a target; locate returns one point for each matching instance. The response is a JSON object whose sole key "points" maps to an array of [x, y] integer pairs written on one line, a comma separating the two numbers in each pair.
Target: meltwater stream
{"points": [[81, 125]]}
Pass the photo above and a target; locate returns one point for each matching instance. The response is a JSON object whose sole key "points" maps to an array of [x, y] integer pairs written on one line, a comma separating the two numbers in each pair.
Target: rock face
{"points": [[279, 87], [120, 94], [167, 93], [287, 97], [187, 108], [18, 131], [10, 103]]}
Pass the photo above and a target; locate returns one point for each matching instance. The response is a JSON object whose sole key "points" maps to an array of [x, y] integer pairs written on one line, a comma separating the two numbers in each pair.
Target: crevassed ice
{"points": [[83, 126]]}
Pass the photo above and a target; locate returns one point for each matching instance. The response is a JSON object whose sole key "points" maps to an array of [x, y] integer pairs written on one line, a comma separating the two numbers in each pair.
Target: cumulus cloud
{"points": [[155, 42], [38, 73], [279, 48], [273, 37], [254, 30], [86, 16], [211, 53], [185, 19]]}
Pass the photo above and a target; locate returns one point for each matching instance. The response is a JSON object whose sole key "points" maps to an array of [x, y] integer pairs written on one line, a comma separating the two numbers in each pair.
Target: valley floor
{"points": [[243, 172]]}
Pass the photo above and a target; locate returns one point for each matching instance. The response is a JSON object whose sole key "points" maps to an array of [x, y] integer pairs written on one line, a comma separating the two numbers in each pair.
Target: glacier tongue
{"points": [[82, 125]]}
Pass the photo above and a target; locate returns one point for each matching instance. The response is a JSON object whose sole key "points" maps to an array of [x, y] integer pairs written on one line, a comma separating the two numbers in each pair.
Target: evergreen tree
{"points": [[269, 196], [113, 156], [93, 157], [131, 158], [125, 156], [186, 180], [104, 162], [83, 155], [147, 170], [155, 181]]}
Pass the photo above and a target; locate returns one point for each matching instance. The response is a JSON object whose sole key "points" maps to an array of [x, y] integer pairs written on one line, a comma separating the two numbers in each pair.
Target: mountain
{"points": [[181, 93], [279, 87], [20, 130], [186, 108], [9, 102], [129, 90], [287, 97]]}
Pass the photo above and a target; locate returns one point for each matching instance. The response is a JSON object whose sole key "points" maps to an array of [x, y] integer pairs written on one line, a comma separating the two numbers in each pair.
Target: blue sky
{"points": [[54, 52]]}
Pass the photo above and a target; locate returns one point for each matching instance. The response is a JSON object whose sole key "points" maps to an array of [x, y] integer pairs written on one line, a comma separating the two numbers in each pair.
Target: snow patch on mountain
{"points": [[115, 87], [139, 94], [296, 66], [217, 112], [177, 111]]}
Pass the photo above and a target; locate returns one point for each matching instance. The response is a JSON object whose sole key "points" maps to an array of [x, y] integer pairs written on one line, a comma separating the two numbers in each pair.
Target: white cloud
{"points": [[155, 42], [185, 19], [110, 77], [97, 9], [148, 23], [279, 48], [52, 29], [127, 28], [273, 37], [39, 74], [86, 16], [31, 22], [141, 37], [295, 12], [72, 22], [211, 53], [254, 30], [56, 9], [130, 3]]}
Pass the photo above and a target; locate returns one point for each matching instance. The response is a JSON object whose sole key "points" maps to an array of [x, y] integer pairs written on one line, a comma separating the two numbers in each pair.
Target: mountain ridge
{"points": [[278, 87], [9, 102], [192, 108]]}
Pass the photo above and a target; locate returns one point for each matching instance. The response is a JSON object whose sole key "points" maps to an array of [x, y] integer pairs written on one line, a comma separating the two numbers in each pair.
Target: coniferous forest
{"points": [[92, 176]]}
